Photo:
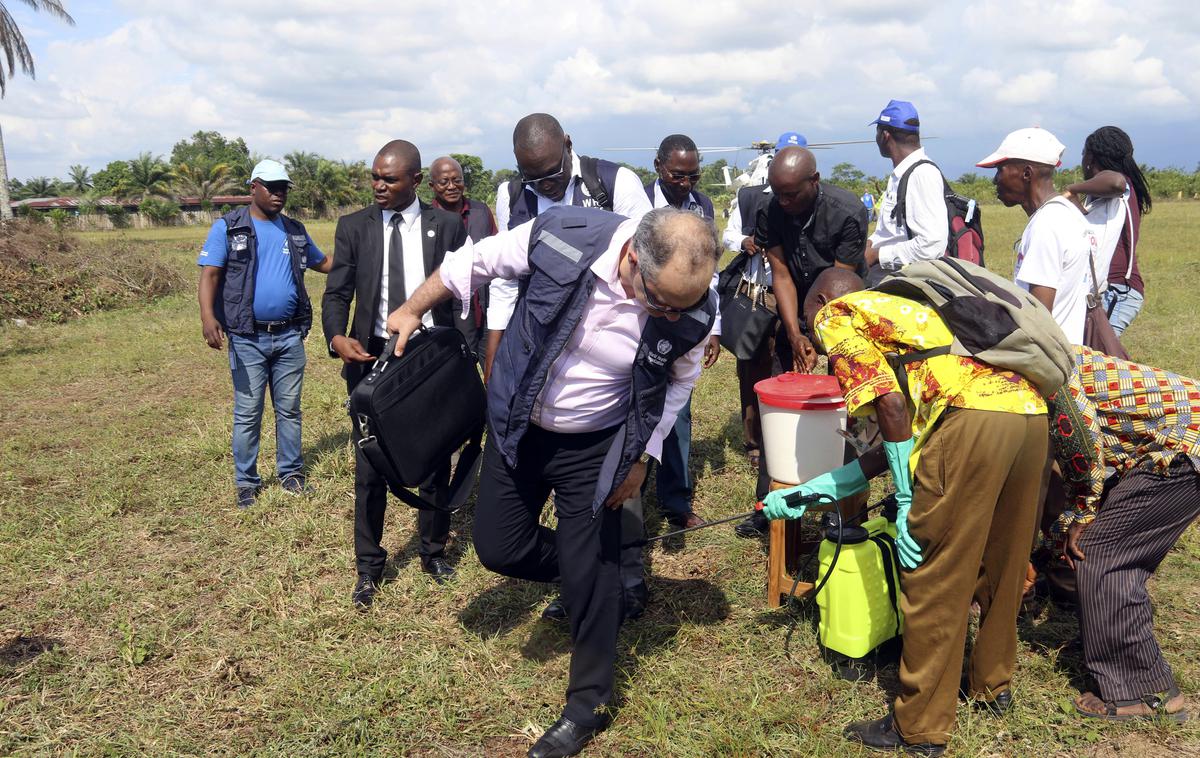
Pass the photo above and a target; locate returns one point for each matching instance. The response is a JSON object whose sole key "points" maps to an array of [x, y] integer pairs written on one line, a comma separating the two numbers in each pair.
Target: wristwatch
{"points": [[645, 459]]}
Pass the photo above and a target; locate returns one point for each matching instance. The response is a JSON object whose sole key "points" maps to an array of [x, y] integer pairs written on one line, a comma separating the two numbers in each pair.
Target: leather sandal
{"points": [[1158, 705]]}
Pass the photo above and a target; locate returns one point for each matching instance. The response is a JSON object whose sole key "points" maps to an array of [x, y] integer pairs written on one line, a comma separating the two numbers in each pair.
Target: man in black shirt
{"points": [[808, 227]]}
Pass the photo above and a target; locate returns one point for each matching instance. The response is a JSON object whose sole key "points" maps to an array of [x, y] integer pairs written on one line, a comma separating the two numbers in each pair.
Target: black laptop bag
{"points": [[415, 411]]}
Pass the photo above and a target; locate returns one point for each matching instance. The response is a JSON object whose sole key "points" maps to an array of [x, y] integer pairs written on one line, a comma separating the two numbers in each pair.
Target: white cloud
{"points": [[456, 76]]}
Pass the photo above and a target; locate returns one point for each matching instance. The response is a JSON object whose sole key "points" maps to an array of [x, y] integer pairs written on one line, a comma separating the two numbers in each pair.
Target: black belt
{"points": [[272, 327]]}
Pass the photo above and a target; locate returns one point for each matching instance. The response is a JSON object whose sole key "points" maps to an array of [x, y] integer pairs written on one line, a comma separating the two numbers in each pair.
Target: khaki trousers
{"points": [[974, 511]]}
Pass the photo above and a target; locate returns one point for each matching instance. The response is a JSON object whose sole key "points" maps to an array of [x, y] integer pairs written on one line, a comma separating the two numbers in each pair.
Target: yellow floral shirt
{"points": [[862, 328]]}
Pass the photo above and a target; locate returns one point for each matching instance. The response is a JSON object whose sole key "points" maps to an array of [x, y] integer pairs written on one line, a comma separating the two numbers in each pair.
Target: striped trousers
{"points": [[1139, 521]]}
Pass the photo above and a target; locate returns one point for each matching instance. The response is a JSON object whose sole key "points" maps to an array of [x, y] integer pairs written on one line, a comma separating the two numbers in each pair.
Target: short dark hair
{"points": [[534, 130], [905, 136], [676, 143]]}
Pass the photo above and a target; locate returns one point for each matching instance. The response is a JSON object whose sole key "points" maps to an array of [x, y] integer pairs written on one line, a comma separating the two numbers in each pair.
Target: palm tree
{"points": [[81, 179], [203, 181], [39, 186], [16, 53], [148, 175]]}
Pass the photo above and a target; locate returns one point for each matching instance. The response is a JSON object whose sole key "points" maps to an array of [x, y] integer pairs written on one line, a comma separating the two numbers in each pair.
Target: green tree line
{"points": [[208, 164]]}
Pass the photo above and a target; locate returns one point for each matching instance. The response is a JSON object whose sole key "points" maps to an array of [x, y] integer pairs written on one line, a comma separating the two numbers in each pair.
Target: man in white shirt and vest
{"points": [[921, 235], [552, 173], [610, 328]]}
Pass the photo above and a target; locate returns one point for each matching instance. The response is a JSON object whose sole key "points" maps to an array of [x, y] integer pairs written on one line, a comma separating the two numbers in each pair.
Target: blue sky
{"points": [[342, 78]]}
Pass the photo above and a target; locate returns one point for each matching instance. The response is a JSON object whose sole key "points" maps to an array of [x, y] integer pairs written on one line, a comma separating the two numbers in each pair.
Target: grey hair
{"points": [[667, 233]]}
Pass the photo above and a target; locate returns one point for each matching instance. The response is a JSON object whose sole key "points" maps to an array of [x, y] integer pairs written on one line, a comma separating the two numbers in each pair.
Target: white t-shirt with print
{"points": [[1053, 252]]}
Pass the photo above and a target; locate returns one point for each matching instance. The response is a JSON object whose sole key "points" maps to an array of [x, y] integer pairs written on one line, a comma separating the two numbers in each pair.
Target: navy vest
{"points": [[523, 205], [479, 220], [235, 295], [751, 200], [564, 243], [702, 199]]}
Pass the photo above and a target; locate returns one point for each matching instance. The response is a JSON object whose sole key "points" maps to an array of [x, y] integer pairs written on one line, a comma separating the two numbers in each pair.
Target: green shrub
{"points": [[159, 211], [117, 215], [59, 217]]}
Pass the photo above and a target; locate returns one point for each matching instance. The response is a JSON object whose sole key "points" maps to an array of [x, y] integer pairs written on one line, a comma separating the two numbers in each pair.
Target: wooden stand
{"points": [[787, 546]]}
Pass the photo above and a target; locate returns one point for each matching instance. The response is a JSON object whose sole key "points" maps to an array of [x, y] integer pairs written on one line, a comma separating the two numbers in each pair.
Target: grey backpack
{"points": [[991, 318]]}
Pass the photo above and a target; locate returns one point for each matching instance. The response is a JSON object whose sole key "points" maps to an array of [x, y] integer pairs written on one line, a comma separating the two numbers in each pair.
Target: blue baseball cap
{"points": [[896, 113], [790, 139]]}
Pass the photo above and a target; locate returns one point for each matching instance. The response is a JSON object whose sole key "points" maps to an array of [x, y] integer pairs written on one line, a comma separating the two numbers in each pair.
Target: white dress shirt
{"points": [[924, 216], [414, 261], [732, 237], [588, 386], [629, 200]]}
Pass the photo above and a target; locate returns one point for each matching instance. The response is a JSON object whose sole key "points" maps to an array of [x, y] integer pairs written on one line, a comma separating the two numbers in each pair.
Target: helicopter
{"points": [[756, 170]]}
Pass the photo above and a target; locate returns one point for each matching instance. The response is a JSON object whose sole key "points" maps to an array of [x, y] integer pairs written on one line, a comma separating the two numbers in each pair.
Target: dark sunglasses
{"points": [[562, 169], [679, 177], [662, 308], [276, 188]]}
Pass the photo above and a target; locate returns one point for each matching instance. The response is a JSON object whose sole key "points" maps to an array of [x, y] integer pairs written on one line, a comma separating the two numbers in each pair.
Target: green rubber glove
{"points": [[837, 484], [898, 453]]}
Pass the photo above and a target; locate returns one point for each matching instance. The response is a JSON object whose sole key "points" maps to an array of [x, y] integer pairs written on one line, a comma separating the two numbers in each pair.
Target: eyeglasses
{"points": [[562, 169], [678, 176], [660, 307], [275, 188], [448, 182]]}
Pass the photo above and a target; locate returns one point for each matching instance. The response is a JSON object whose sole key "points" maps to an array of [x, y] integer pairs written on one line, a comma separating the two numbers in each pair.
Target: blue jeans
{"points": [[1128, 305], [674, 481], [256, 362]]}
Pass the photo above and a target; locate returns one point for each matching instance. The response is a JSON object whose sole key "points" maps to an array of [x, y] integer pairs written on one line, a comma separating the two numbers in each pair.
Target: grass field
{"points": [[141, 613]]}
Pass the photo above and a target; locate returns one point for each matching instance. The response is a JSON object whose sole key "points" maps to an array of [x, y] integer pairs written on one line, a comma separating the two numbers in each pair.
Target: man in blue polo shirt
{"points": [[252, 289]]}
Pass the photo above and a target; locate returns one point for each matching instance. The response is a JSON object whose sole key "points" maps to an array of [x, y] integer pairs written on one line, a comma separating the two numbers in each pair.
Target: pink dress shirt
{"points": [[588, 385]]}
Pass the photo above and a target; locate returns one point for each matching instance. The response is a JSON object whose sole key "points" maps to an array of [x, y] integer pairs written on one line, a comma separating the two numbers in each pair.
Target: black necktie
{"points": [[396, 292]]}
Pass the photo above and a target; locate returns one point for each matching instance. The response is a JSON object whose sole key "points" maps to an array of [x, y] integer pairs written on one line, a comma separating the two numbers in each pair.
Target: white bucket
{"points": [[801, 415]]}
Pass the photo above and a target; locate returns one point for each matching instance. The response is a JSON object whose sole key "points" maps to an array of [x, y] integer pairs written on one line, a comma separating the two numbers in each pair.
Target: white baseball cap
{"points": [[270, 171], [1034, 144]]}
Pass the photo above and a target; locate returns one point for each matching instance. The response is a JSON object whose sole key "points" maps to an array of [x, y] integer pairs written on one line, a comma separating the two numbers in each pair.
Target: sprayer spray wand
{"points": [[792, 500]]}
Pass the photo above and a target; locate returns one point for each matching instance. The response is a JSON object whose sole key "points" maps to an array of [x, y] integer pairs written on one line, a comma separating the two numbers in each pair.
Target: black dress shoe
{"points": [[555, 611], [563, 738], [636, 601], [881, 734], [754, 526], [364, 592], [997, 706], [439, 569]]}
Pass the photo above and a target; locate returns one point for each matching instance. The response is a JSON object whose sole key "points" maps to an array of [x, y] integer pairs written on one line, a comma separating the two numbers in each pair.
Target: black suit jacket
{"points": [[358, 267]]}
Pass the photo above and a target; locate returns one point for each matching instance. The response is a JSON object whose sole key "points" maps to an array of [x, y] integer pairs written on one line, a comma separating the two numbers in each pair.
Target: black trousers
{"points": [[583, 552], [370, 497], [1139, 520]]}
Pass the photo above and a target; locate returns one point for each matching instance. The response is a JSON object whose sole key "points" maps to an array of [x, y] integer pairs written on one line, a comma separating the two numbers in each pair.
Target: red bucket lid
{"points": [[801, 391]]}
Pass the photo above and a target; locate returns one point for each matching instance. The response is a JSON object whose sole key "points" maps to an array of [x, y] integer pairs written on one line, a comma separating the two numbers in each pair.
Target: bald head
{"points": [[542, 151], [535, 130], [447, 182], [677, 252], [792, 163], [403, 152], [794, 180], [830, 284], [445, 163]]}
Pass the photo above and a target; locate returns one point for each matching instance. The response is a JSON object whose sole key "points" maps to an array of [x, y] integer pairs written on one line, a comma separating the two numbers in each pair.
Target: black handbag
{"points": [[415, 411], [747, 313]]}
